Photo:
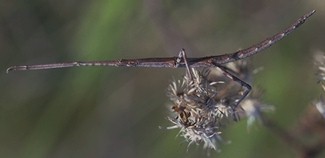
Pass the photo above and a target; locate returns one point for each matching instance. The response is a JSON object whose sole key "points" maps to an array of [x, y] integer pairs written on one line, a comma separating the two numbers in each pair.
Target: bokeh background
{"points": [[116, 112]]}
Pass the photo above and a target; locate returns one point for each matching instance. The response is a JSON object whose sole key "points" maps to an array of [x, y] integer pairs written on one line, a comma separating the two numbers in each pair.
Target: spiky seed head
{"points": [[206, 102], [197, 109]]}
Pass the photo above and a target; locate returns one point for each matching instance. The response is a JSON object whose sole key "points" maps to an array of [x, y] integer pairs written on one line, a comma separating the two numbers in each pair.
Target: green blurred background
{"points": [[116, 112]]}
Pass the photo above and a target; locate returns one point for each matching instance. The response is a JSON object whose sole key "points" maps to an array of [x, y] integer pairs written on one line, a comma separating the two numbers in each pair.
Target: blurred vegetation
{"points": [[115, 112]]}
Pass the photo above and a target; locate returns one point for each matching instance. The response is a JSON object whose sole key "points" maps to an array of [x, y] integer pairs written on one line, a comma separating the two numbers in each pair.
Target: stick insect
{"points": [[181, 60]]}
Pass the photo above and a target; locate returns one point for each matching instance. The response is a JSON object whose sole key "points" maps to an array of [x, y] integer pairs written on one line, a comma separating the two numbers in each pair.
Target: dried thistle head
{"points": [[195, 109], [203, 104]]}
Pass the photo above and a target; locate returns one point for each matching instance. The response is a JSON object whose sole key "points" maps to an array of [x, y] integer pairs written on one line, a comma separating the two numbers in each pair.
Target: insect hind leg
{"points": [[247, 87]]}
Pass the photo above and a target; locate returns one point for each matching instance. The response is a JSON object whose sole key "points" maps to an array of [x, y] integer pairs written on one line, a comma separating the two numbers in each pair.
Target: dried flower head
{"points": [[204, 102], [196, 111]]}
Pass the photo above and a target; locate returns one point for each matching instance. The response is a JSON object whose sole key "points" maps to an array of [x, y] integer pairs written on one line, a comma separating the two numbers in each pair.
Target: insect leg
{"points": [[228, 73], [182, 56]]}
